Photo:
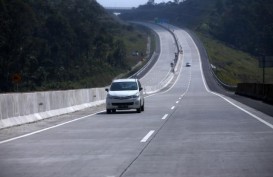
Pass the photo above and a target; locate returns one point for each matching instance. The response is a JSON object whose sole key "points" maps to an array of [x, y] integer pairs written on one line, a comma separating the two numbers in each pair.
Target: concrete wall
{"points": [[18, 108], [257, 91]]}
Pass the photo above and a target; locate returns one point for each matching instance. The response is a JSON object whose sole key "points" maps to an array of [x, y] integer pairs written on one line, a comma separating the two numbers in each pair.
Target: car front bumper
{"points": [[123, 104]]}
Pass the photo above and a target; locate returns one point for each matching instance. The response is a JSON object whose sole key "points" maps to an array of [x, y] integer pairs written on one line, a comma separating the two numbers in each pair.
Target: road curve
{"points": [[162, 67], [185, 131]]}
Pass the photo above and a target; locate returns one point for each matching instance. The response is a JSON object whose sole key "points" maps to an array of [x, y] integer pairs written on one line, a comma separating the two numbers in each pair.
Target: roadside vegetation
{"points": [[235, 32], [64, 44], [233, 66]]}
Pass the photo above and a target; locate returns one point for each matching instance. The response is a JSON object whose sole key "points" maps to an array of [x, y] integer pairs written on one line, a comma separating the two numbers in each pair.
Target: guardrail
{"points": [[225, 86]]}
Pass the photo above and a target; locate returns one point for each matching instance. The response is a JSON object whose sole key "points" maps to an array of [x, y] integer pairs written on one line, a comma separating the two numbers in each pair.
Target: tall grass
{"points": [[234, 66]]}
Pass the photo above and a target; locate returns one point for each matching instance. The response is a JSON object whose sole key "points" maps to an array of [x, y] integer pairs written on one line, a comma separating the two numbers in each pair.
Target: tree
{"points": [[17, 26]]}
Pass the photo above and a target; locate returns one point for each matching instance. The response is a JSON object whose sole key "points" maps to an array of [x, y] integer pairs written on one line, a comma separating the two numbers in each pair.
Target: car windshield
{"points": [[120, 86]]}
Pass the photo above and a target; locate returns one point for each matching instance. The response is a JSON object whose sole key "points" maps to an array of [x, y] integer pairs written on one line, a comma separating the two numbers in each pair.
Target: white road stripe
{"points": [[147, 136], [165, 116], [221, 96], [173, 107], [177, 102], [55, 126]]}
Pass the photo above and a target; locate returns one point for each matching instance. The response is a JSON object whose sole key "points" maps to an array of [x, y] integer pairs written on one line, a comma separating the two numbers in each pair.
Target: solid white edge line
{"points": [[45, 129], [165, 116], [221, 96], [249, 113], [147, 136]]}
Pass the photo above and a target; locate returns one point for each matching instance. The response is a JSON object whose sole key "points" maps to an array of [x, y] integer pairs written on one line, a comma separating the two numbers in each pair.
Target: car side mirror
{"points": [[140, 89], [107, 90]]}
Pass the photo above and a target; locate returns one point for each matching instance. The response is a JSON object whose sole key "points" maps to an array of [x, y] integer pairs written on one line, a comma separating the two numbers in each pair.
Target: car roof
{"points": [[125, 80]]}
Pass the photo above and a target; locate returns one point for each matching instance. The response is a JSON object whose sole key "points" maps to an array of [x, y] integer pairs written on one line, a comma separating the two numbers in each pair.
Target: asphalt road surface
{"points": [[186, 131]]}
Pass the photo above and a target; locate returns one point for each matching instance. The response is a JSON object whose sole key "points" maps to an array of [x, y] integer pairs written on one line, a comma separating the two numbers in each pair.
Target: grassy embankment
{"points": [[234, 66]]}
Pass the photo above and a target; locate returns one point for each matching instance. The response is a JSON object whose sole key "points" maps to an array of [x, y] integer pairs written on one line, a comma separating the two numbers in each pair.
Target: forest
{"points": [[58, 44], [247, 25]]}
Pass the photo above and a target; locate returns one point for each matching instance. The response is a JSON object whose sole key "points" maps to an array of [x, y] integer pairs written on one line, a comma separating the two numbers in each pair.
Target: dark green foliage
{"points": [[247, 25], [188, 13], [57, 44]]}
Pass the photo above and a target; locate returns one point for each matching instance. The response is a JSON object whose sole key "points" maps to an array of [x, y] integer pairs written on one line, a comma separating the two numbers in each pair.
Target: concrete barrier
{"points": [[156, 88], [262, 92], [19, 108], [167, 79]]}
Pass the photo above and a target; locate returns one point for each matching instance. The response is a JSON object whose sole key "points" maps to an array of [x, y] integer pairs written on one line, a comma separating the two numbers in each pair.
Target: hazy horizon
{"points": [[124, 3]]}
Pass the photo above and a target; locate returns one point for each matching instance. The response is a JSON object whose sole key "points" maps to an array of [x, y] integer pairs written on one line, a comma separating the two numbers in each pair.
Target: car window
{"points": [[120, 86]]}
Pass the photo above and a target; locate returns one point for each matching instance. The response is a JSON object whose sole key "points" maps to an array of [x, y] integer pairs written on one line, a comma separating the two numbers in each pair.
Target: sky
{"points": [[125, 3]]}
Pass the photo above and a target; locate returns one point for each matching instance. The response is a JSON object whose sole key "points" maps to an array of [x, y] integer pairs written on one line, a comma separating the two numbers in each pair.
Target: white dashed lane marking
{"points": [[147, 136], [165, 116]]}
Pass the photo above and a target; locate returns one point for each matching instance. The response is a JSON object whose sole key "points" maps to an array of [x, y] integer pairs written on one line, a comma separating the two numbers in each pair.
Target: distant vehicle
{"points": [[125, 94], [188, 64]]}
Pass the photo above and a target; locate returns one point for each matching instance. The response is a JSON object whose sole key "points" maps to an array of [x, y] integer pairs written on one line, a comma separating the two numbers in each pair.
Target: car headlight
{"points": [[136, 95]]}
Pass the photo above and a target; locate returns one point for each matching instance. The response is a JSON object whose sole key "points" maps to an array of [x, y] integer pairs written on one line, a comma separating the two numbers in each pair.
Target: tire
{"points": [[108, 111], [138, 110], [114, 111], [142, 107]]}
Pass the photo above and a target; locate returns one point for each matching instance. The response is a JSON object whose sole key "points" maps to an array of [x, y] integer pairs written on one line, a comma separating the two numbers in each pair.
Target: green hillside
{"points": [[63, 44], [246, 25]]}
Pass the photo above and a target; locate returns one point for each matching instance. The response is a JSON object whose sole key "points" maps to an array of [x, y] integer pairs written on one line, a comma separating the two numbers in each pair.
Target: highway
{"points": [[185, 131]]}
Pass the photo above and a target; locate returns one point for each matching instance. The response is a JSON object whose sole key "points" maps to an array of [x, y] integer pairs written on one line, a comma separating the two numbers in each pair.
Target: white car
{"points": [[125, 94]]}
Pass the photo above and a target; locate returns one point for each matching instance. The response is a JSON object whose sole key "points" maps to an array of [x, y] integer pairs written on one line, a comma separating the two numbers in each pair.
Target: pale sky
{"points": [[125, 3]]}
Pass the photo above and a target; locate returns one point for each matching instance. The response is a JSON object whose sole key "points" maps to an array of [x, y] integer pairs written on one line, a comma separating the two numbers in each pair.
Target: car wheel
{"points": [[108, 111], [114, 111], [142, 107], [138, 110]]}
